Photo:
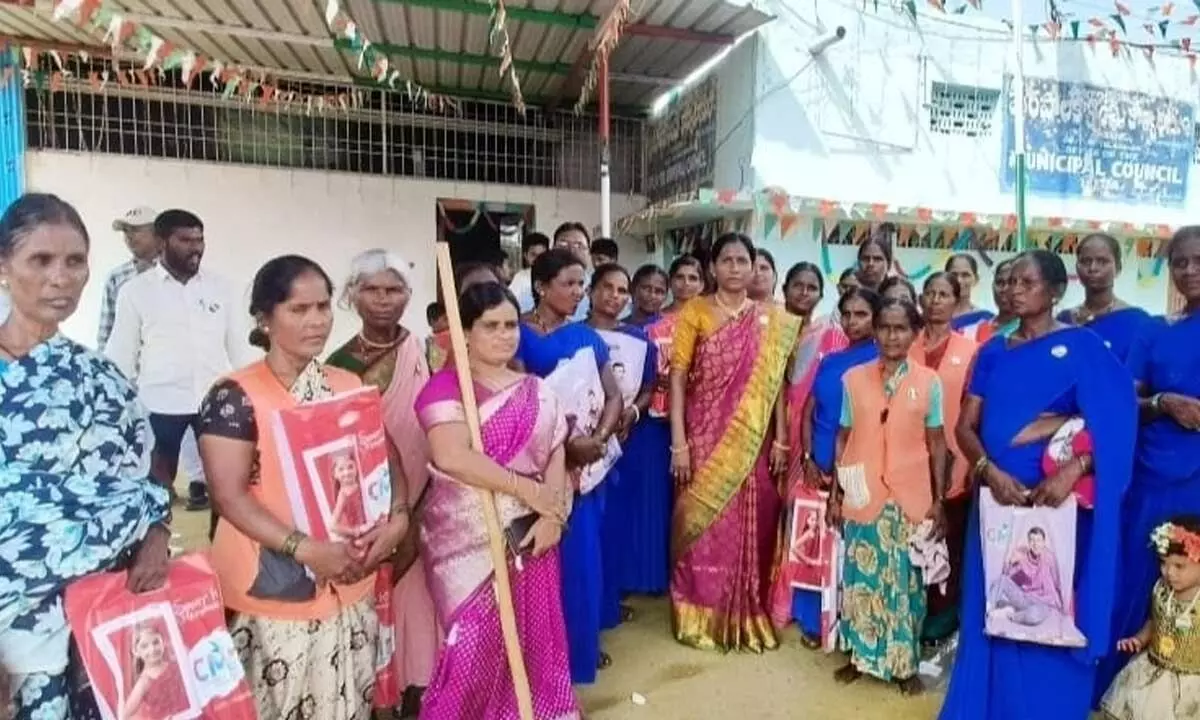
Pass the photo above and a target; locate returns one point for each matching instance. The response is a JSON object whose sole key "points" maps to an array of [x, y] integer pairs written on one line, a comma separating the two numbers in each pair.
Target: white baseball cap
{"points": [[141, 216]]}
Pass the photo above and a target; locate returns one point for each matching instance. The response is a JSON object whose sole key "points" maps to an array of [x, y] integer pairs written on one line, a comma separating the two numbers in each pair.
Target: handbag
{"points": [[281, 578]]}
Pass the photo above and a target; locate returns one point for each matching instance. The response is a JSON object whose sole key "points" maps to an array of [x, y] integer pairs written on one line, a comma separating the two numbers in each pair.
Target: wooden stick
{"points": [[508, 619]]}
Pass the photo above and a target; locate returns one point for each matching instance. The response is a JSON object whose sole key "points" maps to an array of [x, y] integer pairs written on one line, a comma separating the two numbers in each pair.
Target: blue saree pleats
{"points": [[1067, 372], [583, 585], [645, 522]]}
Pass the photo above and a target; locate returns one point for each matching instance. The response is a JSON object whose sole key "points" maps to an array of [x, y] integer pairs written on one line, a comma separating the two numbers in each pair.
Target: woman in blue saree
{"points": [[1098, 263], [968, 319], [1021, 389], [821, 420], [608, 298], [74, 461], [1165, 362], [548, 337], [645, 464]]}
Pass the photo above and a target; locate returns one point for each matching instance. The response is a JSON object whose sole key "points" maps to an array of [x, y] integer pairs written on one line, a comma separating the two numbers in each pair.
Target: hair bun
{"points": [[259, 339]]}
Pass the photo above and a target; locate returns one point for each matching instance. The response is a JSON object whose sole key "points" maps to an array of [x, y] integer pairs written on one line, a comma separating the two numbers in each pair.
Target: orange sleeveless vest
{"points": [[890, 445], [960, 350], [234, 555]]}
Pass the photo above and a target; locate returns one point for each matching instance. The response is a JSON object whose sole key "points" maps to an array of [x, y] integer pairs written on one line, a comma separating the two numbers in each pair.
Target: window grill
{"points": [[963, 110], [381, 133]]}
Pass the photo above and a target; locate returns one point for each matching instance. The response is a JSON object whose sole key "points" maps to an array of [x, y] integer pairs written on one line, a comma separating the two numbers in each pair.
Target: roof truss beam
{"points": [[574, 21]]}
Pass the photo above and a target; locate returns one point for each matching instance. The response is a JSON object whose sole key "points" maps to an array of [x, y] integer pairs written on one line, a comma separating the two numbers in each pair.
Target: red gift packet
{"points": [[161, 655], [335, 464]]}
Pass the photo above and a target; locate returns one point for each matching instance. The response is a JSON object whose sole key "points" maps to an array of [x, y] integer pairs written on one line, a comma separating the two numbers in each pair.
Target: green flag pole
{"points": [[1019, 119]]}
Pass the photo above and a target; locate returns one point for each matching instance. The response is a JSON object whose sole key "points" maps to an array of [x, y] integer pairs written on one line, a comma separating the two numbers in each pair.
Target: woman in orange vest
{"points": [[891, 470], [949, 354], [294, 601]]}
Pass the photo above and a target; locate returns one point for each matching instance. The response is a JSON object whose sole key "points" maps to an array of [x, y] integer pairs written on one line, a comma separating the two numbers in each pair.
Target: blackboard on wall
{"points": [[682, 144]]}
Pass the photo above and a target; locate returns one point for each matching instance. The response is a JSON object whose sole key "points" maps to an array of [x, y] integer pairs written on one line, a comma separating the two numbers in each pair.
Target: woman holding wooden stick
{"points": [[522, 462]]}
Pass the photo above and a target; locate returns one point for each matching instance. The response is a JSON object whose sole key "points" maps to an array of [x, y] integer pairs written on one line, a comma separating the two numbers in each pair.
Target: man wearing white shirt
{"points": [[532, 245], [176, 331]]}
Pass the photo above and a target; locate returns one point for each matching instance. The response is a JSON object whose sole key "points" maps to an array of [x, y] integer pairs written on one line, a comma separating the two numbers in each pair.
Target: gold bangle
{"points": [[292, 543], [679, 450], [780, 446], [981, 466]]}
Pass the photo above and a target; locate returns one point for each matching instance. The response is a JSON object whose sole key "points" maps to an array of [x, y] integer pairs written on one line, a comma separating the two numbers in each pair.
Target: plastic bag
{"points": [[161, 655], [335, 464], [387, 681]]}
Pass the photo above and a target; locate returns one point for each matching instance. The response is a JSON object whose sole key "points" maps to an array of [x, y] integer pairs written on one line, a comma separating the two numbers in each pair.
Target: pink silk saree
{"points": [[521, 426], [822, 337], [726, 517]]}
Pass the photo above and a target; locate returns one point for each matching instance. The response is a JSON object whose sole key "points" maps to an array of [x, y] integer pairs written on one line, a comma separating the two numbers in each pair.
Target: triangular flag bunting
{"points": [[1167, 9], [1119, 21], [1186, 44], [1190, 20], [1162, 27], [1074, 29], [768, 225], [1121, 9], [1033, 30], [787, 223], [910, 9]]}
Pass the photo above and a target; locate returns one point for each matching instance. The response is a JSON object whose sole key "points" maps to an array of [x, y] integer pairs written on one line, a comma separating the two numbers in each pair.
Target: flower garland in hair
{"points": [[1168, 533]]}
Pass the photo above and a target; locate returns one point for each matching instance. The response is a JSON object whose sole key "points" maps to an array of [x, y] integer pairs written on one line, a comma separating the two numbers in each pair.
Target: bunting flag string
{"points": [[1162, 27], [498, 39], [603, 42], [342, 26], [159, 56], [779, 215]]}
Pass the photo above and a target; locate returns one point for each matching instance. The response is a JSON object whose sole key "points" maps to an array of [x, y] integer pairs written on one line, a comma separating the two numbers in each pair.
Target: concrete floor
{"points": [[679, 683]]}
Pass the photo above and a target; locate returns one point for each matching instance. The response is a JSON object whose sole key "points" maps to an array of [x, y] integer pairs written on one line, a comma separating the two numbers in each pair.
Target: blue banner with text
{"points": [[1096, 143]]}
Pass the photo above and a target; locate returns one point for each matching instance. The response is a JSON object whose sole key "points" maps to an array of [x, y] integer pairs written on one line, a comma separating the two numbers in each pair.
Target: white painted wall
{"points": [[252, 214], [851, 125]]}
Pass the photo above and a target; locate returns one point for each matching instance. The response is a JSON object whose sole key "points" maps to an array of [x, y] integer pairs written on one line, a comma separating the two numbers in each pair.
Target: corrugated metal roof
{"points": [[440, 44]]}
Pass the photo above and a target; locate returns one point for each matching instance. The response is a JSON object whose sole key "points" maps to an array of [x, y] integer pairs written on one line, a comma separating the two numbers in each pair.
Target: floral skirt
{"points": [[883, 597], [1145, 691], [310, 670]]}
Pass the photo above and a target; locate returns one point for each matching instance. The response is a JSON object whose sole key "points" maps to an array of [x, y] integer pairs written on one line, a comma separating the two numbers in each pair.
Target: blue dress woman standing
{"points": [[645, 464], [821, 420], [1165, 362], [1098, 263], [548, 338], [1021, 389]]}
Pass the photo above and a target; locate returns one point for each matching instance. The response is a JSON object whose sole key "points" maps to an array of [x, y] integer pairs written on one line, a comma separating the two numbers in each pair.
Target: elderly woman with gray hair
{"points": [[389, 356]]}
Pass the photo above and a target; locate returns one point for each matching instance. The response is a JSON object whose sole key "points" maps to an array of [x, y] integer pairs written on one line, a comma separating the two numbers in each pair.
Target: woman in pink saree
{"points": [[728, 448], [803, 288], [523, 463], [387, 355]]}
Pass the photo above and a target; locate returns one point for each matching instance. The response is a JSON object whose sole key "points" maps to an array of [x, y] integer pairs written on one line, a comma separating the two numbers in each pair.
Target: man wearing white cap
{"points": [[137, 226]]}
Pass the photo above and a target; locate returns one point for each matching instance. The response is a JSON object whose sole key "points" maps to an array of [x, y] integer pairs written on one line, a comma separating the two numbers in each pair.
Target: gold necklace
{"points": [[372, 345], [730, 311], [542, 324], [1084, 316]]}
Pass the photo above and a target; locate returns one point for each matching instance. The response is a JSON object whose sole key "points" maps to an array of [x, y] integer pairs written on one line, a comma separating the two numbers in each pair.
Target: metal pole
{"points": [[1019, 119], [605, 189]]}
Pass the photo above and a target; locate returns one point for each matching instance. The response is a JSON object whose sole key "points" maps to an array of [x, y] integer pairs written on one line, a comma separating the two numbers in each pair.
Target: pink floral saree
{"points": [[521, 426], [725, 521]]}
